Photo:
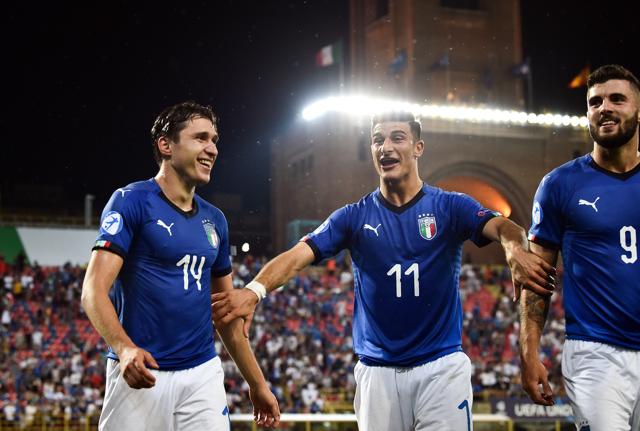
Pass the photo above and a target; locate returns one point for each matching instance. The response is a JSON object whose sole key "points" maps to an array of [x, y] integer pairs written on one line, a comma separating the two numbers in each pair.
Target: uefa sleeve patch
{"points": [[321, 228], [536, 213], [111, 223]]}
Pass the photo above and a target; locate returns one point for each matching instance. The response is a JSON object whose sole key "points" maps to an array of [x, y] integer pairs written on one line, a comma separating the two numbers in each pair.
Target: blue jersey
{"points": [[593, 217], [406, 267], [163, 292]]}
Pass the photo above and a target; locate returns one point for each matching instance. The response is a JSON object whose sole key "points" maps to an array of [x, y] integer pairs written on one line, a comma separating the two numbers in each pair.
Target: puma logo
{"points": [[374, 229], [591, 204], [123, 191], [164, 225]]}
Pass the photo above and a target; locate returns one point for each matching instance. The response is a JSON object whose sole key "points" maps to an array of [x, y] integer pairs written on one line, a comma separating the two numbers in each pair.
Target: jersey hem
{"points": [[221, 273], [483, 240], [316, 251], [173, 366], [543, 242], [608, 341], [111, 247], [411, 363]]}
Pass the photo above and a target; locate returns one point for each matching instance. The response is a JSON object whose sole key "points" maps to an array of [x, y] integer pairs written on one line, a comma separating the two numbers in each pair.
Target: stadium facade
{"points": [[452, 55]]}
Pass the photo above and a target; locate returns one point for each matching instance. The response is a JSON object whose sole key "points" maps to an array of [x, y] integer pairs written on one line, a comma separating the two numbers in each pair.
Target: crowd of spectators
{"points": [[52, 362]]}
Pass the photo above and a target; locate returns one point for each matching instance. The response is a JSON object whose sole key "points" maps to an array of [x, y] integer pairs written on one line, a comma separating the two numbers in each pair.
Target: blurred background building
{"points": [[448, 54]]}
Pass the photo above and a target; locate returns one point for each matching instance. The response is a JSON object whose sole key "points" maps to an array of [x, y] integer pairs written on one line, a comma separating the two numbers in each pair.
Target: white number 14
{"points": [[184, 263], [397, 270]]}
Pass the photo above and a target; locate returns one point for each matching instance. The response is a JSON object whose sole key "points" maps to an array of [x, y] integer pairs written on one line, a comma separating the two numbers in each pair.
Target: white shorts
{"points": [[603, 385], [191, 399], [433, 396]]}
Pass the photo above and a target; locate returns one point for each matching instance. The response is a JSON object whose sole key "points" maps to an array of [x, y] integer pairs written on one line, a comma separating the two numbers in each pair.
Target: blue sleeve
{"points": [[331, 236], [470, 218], [222, 265], [547, 226], [119, 221]]}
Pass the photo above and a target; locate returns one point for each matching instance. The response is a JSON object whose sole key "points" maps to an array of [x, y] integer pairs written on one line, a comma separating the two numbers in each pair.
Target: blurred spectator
{"points": [[51, 359]]}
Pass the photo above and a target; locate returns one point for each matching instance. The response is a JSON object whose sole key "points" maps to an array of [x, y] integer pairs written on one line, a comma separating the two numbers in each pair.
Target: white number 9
{"points": [[629, 244]]}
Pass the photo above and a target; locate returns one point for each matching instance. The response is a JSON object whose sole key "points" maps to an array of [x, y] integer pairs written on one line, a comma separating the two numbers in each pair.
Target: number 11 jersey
{"points": [[406, 267]]}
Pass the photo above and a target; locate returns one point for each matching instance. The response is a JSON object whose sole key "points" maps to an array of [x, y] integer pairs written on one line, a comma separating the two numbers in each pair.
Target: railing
{"points": [[309, 419], [288, 421]]}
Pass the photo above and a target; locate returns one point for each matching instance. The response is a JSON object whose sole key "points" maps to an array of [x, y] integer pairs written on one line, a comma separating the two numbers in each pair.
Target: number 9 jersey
{"points": [[163, 292], [406, 268], [593, 216]]}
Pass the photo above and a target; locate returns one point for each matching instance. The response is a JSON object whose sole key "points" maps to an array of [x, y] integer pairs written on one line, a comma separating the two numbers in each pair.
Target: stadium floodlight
{"points": [[360, 106]]}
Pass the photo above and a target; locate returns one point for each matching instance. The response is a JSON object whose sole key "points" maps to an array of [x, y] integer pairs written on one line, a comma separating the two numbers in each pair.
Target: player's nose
{"points": [[211, 150]]}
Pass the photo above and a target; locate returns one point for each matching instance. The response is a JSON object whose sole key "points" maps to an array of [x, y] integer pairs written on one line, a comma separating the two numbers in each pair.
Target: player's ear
{"points": [[163, 146], [418, 149]]}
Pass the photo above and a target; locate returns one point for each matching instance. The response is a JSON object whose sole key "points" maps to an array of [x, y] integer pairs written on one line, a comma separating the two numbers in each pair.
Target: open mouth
{"points": [[207, 163], [388, 162], [607, 122]]}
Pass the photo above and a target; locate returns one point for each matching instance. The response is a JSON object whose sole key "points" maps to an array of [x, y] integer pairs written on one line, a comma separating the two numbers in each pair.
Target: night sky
{"points": [[84, 83]]}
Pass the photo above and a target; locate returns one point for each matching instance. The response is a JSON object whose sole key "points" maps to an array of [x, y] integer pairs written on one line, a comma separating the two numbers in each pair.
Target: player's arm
{"points": [[528, 270], [103, 269], [533, 315], [229, 305], [265, 405]]}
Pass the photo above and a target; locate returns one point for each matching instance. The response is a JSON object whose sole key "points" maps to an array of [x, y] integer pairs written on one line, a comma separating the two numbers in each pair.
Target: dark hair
{"points": [[174, 119], [612, 71], [402, 117]]}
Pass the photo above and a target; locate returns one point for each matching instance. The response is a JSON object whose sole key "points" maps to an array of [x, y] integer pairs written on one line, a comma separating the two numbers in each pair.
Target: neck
{"points": [[401, 192], [618, 160], [175, 188]]}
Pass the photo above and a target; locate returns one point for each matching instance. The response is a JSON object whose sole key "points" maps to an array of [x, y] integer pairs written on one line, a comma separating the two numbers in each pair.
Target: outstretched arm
{"points": [[533, 315], [231, 304], [265, 405], [103, 269], [528, 271]]}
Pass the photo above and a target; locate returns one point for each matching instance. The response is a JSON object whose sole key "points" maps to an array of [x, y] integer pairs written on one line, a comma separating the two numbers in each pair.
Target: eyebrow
{"points": [[393, 132], [206, 135], [610, 96]]}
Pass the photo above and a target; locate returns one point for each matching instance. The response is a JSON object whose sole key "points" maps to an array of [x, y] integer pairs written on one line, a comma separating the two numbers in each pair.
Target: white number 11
{"points": [[397, 270]]}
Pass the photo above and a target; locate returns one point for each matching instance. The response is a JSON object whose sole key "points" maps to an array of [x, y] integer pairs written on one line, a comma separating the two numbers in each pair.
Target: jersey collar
{"points": [[400, 209], [187, 214], [621, 176]]}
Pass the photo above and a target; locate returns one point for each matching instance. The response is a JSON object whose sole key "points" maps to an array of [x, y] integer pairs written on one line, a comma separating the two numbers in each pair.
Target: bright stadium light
{"points": [[367, 106]]}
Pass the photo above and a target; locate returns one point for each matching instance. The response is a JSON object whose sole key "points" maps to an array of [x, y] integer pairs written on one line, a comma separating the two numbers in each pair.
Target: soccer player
{"points": [[588, 209], [164, 249], [405, 240]]}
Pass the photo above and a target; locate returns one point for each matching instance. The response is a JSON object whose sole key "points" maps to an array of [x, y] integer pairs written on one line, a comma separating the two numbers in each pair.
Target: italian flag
{"points": [[329, 55]]}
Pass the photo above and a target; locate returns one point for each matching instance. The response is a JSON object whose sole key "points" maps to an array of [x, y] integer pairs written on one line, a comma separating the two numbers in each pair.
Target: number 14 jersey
{"points": [[163, 292], [406, 267]]}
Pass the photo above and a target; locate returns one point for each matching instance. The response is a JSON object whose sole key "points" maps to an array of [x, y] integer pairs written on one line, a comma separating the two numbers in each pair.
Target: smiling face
{"points": [[612, 112], [195, 151], [395, 151]]}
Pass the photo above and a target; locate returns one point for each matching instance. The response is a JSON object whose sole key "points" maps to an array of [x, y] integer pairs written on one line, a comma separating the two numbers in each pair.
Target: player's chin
{"points": [[202, 177]]}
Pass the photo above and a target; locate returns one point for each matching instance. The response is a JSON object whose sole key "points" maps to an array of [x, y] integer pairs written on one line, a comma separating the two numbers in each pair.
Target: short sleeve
{"points": [[119, 221], [331, 236], [546, 225], [222, 265], [470, 217]]}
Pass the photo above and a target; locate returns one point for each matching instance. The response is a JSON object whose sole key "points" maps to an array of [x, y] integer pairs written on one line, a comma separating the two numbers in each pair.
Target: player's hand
{"points": [[530, 271], [133, 366], [266, 411], [231, 304], [535, 381]]}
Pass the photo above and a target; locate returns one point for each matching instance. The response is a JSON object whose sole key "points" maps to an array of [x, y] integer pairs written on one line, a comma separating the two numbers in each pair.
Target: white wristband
{"points": [[258, 289]]}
